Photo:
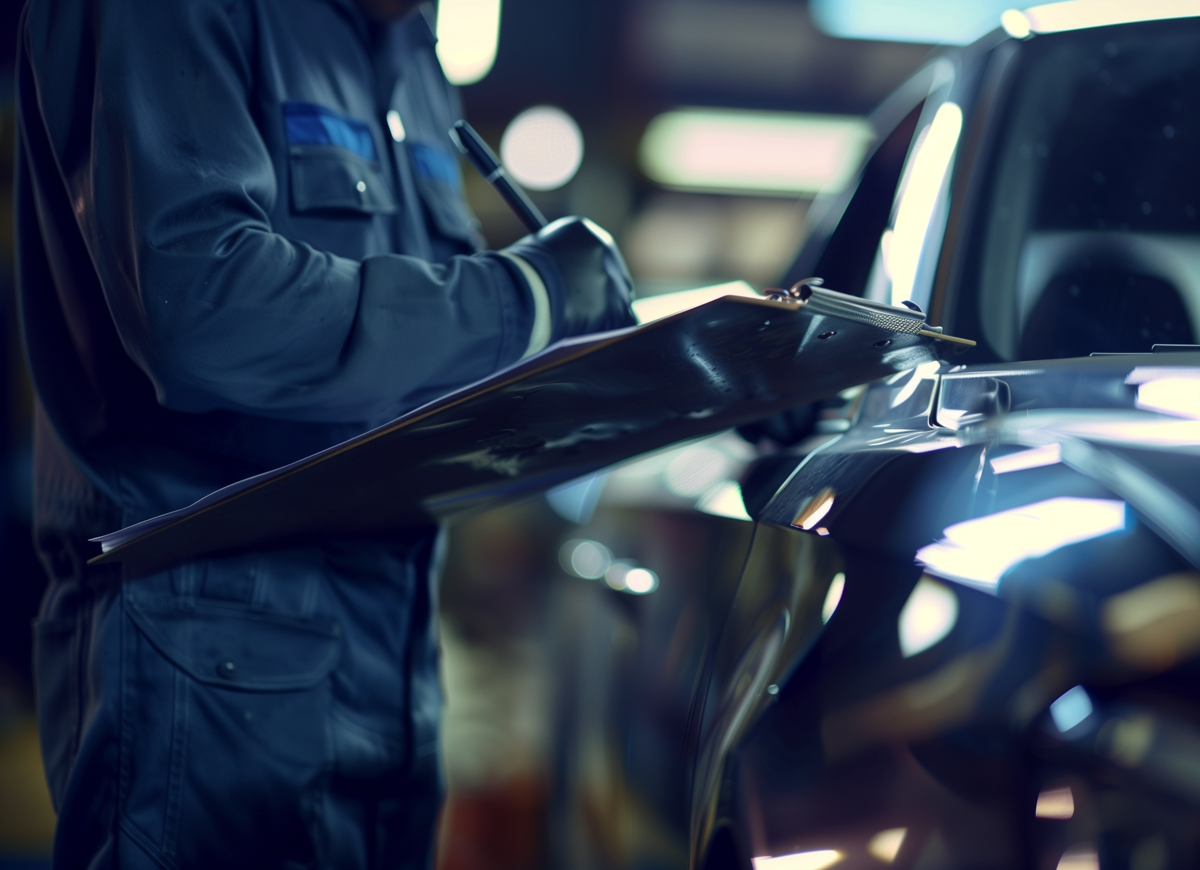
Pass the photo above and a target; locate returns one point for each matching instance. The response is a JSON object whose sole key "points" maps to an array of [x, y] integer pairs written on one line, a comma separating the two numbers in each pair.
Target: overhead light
{"points": [[925, 21], [1015, 23], [468, 32], [927, 617], [735, 151], [920, 197], [816, 860], [542, 148], [1080, 14], [977, 552]]}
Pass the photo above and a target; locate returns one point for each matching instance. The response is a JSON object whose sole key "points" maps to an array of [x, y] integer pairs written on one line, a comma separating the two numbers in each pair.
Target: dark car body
{"points": [[965, 628], [966, 631]]}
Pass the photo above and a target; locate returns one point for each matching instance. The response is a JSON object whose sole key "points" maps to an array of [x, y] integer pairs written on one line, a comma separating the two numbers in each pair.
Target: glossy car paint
{"points": [[1048, 718]]}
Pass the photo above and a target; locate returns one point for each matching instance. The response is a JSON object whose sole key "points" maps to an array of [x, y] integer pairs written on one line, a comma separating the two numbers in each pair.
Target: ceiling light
{"points": [[1080, 14], [1015, 23], [733, 151], [468, 32], [925, 21]]}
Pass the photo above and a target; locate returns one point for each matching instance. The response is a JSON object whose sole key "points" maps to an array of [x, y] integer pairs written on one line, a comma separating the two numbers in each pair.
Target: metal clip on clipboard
{"points": [[809, 292]]}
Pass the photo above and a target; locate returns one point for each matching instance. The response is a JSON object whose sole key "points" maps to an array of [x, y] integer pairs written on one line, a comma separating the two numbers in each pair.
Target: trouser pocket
{"points": [[224, 734]]}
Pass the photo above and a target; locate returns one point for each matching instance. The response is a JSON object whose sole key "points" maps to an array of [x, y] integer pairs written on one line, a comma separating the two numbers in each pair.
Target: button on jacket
{"points": [[241, 239]]}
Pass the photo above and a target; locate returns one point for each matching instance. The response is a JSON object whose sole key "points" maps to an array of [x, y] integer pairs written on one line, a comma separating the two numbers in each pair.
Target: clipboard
{"points": [[577, 407]]}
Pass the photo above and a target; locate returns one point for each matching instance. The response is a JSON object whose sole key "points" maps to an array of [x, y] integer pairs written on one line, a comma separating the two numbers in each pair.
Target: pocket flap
{"points": [[332, 179], [240, 649], [440, 185]]}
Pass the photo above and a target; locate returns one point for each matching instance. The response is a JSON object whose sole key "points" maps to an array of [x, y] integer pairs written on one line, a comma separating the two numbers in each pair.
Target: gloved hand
{"points": [[584, 276]]}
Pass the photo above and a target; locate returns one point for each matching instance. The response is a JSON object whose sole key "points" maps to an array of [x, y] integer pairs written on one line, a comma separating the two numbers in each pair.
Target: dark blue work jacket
{"points": [[241, 239]]}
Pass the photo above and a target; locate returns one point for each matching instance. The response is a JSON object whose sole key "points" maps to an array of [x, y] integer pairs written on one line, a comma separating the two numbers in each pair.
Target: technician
{"points": [[242, 239]]}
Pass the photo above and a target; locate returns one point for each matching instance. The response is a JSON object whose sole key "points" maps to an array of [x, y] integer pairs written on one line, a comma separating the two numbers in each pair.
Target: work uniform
{"points": [[241, 239]]}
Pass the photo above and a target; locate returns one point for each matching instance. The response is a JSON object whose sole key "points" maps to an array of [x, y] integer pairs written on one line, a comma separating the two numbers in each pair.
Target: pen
{"points": [[482, 158]]}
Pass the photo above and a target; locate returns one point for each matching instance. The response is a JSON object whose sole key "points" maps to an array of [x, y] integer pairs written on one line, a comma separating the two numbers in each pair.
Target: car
{"points": [[966, 628]]}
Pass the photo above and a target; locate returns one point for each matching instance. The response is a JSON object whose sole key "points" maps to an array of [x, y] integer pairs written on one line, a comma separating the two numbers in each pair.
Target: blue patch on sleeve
{"points": [[435, 163], [310, 124]]}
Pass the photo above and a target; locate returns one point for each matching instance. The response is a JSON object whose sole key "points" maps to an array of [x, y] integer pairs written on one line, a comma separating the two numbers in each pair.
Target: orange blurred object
{"points": [[499, 827]]}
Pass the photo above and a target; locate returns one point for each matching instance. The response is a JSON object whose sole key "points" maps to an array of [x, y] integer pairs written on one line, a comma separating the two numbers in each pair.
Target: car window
{"points": [[842, 245], [845, 260], [1090, 236]]}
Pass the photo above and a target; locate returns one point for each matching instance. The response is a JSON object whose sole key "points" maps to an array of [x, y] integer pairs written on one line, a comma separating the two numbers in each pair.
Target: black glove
{"points": [[585, 277]]}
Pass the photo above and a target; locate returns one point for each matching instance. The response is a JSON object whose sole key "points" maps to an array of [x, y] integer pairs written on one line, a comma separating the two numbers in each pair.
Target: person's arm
{"points": [[217, 309]]}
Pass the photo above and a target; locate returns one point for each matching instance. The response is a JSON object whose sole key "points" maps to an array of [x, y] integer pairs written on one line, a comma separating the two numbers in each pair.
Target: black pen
{"points": [[482, 158]]}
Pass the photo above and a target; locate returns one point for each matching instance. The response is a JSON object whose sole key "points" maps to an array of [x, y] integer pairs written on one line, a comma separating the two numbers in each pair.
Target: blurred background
{"points": [[700, 133]]}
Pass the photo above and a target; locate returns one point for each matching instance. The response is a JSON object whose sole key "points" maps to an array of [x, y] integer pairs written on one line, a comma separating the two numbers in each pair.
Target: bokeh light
{"points": [[1071, 709], [586, 559], [725, 150], [1055, 803], [695, 470], [640, 581], [542, 148], [468, 33]]}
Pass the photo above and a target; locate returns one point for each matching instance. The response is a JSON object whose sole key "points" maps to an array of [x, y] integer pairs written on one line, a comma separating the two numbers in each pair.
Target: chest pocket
{"points": [[333, 163], [440, 185]]}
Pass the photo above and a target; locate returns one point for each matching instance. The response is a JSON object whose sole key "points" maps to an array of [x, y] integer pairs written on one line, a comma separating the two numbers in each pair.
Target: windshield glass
{"points": [[1091, 237]]}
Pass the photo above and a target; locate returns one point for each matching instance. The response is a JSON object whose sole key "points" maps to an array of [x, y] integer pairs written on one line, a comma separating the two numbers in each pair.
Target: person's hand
{"points": [[584, 276]]}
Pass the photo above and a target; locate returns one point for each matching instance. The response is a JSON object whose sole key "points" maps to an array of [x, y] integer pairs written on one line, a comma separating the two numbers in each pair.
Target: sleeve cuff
{"points": [[539, 335]]}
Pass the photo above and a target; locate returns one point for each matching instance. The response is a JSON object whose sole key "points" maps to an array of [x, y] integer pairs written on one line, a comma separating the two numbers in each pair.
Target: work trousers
{"points": [[259, 711]]}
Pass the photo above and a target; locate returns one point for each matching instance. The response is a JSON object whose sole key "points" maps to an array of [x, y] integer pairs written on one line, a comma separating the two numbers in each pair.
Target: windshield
{"points": [[1091, 237]]}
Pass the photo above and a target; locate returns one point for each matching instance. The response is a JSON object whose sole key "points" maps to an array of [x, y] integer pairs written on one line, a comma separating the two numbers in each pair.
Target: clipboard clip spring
{"points": [[799, 292]]}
